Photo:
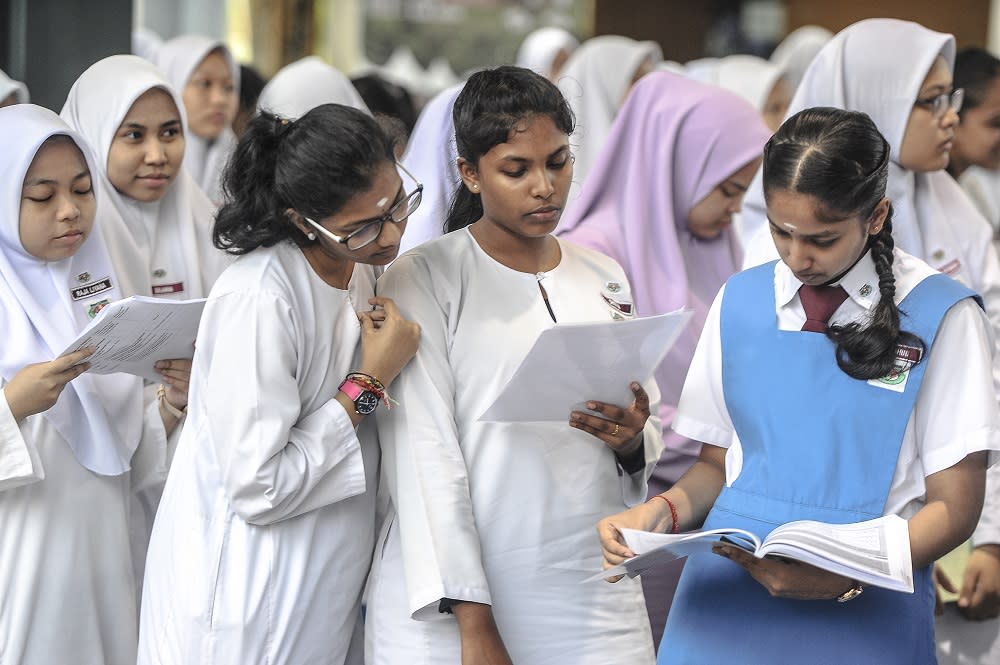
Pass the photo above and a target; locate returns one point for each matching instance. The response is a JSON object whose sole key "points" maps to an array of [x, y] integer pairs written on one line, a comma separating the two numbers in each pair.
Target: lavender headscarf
{"points": [[672, 143]]}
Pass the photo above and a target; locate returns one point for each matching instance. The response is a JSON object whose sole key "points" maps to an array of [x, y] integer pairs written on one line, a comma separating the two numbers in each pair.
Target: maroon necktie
{"points": [[820, 302]]}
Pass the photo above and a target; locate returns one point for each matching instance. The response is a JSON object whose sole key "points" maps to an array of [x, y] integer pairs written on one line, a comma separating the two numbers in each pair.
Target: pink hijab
{"points": [[672, 143]]}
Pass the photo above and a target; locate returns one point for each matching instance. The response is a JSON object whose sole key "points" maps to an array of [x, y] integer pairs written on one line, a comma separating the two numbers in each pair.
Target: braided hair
{"points": [[839, 158]]}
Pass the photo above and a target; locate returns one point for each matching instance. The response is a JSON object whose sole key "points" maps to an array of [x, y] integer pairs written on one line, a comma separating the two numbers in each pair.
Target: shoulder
{"points": [[277, 269], [590, 258], [441, 257]]}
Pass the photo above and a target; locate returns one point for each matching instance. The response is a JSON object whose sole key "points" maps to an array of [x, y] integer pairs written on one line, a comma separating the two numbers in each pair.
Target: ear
{"points": [[298, 221], [469, 173], [879, 215]]}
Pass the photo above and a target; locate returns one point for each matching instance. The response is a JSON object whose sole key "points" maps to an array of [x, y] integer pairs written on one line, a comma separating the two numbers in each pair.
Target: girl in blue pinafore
{"points": [[889, 410]]}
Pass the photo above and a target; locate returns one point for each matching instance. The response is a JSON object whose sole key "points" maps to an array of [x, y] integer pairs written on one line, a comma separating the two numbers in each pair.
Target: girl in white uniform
{"points": [[204, 71], [264, 535], [488, 539], [72, 447]]}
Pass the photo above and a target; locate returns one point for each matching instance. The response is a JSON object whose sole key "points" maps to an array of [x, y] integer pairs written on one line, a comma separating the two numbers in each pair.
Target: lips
{"points": [[70, 234]]}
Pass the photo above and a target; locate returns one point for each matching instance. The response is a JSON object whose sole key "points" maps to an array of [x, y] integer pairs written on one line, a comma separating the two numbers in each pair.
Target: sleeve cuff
{"points": [[20, 463]]}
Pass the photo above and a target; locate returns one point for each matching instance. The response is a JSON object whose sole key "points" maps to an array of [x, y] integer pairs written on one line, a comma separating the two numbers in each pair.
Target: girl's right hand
{"points": [[37, 387], [647, 516], [388, 341]]}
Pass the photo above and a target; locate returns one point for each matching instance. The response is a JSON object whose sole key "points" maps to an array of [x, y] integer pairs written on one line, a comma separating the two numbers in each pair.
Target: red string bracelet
{"points": [[674, 522]]}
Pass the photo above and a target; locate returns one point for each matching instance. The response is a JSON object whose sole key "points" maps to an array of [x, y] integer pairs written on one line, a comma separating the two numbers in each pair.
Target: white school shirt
{"points": [[955, 412], [69, 591], [497, 513], [264, 533]]}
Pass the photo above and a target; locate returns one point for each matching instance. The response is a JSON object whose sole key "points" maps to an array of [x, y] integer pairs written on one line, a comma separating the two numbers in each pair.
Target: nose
{"points": [[735, 204], [219, 96], [156, 153], [391, 233], [798, 256], [950, 118], [68, 210], [542, 186]]}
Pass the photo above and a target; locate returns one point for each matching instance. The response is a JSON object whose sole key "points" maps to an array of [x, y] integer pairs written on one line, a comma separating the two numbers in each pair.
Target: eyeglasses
{"points": [[372, 228], [938, 105]]}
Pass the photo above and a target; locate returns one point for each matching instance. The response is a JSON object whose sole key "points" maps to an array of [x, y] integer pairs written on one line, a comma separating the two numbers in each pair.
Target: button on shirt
{"points": [[951, 419]]}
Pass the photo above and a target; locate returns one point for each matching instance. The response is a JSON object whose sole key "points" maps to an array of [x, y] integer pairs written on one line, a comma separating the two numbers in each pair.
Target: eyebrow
{"points": [[136, 125], [357, 224], [50, 181], [737, 185], [939, 87], [525, 160]]}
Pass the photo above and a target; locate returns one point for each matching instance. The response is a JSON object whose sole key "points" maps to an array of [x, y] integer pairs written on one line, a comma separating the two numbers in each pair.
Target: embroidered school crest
{"points": [[83, 277], [95, 308], [906, 358], [159, 273]]}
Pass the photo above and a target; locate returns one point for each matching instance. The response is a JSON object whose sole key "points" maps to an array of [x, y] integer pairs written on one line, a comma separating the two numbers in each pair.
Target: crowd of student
{"points": [[316, 485]]}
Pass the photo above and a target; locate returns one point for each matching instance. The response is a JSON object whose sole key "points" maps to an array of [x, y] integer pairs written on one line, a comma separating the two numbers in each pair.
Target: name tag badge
{"points": [[619, 300], [166, 289], [906, 358], [91, 289]]}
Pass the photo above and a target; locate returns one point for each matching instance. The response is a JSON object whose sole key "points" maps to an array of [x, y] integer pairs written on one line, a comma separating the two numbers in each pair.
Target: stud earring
{"points": [[311, 235], [475, 187]]}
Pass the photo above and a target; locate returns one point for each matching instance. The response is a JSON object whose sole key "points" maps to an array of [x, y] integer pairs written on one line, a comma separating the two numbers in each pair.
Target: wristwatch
{"points": [[851, 593], [365, 401]]}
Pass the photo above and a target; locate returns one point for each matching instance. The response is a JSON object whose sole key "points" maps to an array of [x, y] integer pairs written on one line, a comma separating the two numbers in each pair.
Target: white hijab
{"points": [[204, 159], [750, 77], [594, 82], [305, 84], [99, 416], [877, 66], [796, 52], [173, 234], [432, 156], [9, 85], [539, 49]]}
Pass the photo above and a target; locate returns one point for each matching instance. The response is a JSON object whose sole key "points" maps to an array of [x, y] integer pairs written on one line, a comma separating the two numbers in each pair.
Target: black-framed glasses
{"points": [[372, 228], [938, 104]]}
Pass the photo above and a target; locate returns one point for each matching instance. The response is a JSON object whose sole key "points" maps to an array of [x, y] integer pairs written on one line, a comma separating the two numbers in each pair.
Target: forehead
{"points": [[213, 64], [799, 214], [153, 107], [55, 159], [939, 74], [533, 138], [376, 200]]}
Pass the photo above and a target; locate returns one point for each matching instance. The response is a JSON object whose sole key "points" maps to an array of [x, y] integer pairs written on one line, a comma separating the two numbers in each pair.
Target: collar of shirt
{"points": [[860, 282]]}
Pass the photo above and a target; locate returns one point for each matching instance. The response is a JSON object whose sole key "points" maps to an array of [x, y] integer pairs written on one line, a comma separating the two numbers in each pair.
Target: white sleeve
{"points": [[20, 463], [423, 459], [956, 409], [984, 273], [276, 461], [988, 530], [701, 411]]}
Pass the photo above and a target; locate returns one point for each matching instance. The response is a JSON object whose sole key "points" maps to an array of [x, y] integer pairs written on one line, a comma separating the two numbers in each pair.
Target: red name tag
{"points": [[164, 289]]}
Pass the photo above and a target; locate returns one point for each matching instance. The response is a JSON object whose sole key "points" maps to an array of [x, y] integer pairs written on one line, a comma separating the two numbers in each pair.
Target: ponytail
{"points": [[253, 213], [869, 352], [466, 208]]}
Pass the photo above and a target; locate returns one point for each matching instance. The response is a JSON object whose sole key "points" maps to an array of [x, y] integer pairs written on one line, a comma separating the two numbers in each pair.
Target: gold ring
{"points": [[615, 431]]}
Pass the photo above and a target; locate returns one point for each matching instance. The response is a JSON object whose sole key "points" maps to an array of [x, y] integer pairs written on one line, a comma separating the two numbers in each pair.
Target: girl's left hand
{"points": [[176, 377], [787, 578], [620, 429]]}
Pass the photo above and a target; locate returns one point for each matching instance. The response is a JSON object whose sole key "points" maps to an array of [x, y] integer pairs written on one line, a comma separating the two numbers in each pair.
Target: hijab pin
{"points": [[865, 290]]}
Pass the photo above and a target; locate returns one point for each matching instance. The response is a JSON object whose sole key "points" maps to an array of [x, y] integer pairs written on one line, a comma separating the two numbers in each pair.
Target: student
{"points": [[11, 91], [265, 530], [885, 407], [70, 441], [204, 71], [975, 154], [545, 51], [664, 212], [157, 221], [754, 79], [796, 52], [483, 554], [432, 157], [305, 84], [595, 81]]}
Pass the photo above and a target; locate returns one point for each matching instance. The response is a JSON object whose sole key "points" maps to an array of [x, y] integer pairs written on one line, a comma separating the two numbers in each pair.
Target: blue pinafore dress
{"points": [[817, 445]]}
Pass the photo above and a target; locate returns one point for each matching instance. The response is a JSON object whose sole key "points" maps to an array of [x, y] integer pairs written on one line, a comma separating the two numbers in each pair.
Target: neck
{"points": [[517, 252], [333, 270]]}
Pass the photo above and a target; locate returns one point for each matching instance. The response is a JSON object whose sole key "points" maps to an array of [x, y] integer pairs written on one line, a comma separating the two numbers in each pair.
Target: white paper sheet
{"points": [[571, 364], [132, 334]]}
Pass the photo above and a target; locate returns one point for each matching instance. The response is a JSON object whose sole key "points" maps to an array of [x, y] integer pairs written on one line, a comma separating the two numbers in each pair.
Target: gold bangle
{"points": [[851, 593], [161, 394]]}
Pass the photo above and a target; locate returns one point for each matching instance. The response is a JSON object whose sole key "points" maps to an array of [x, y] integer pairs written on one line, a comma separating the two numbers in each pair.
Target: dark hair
{"points": [[975, 70], [487, 112], [251, 85], [314, 165], [840, 158], [385, 98]]}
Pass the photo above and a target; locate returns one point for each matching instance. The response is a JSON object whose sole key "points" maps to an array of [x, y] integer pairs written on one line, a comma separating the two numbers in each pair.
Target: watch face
{"points": [[366, 402]]}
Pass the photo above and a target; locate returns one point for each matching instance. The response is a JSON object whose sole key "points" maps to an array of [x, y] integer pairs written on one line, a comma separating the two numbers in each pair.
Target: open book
{"points": [[130, 335], [875, 552]]}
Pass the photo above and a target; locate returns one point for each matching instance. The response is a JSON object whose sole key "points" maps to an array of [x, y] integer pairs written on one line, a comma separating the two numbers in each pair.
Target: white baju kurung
{"points": [[264, 534], [497, 513]]}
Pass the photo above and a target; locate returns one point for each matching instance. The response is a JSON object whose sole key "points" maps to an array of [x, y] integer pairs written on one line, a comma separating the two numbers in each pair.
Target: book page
{"points": [[875, 551], [570, 364], [130, 335]]}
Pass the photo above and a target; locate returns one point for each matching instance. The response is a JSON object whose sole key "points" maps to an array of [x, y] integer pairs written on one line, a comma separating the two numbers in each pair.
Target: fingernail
{"points": [[593, 405], [635, 386], [576, 417]]}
